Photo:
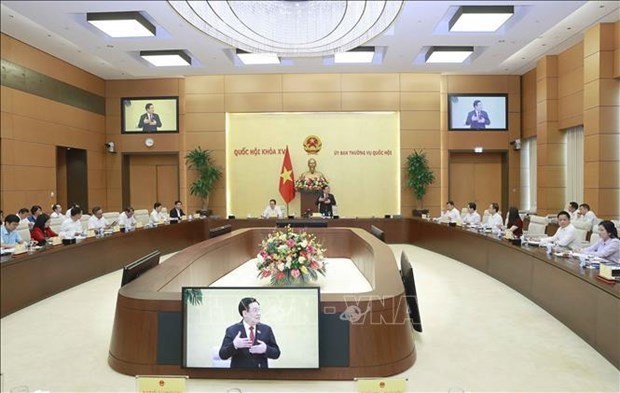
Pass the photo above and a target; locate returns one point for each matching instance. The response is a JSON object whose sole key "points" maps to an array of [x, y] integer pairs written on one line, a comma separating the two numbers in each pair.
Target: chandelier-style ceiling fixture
{"points": [[291, 28]]}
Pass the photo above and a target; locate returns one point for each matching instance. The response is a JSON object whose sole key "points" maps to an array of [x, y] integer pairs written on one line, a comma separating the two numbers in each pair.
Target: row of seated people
{"points": [[603, 242], [39, 226]]}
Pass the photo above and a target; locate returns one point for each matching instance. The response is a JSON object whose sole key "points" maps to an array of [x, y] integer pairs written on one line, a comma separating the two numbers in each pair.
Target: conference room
{"points": [[303, 142]]}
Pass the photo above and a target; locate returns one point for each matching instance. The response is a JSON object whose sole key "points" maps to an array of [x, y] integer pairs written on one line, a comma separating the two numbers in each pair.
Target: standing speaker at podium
{"points": [[325, 201]]}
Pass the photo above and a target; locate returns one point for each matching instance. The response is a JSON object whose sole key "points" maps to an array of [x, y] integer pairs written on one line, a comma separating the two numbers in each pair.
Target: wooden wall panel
{"points": [[364, 101], [296, 83], [266, 83], [528, 104], [370, 82], [17, 52], [312, 102]]}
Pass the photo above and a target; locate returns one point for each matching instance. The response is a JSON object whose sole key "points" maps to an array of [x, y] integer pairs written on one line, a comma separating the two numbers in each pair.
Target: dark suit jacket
{"points": [[475, 125], [326, 208], [242, 358], [147, 127], [174, 214]]}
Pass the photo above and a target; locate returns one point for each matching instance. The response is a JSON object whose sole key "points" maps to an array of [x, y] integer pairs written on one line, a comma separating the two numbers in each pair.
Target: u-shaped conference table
{"points": [[147, 333]]}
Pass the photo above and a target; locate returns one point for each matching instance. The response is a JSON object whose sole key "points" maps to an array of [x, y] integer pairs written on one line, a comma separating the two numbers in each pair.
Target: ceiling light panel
{"points": [[480, 18], [449, 54], [122, 24], [167, 58]]}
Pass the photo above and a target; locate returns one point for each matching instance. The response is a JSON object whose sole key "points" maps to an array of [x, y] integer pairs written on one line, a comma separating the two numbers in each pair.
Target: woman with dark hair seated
{"points": [[515, 224], [608, 246], [41, 230]]}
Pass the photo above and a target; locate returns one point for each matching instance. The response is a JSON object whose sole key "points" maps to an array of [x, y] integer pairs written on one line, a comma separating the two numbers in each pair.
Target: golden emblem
{"points": [[312, 144]]}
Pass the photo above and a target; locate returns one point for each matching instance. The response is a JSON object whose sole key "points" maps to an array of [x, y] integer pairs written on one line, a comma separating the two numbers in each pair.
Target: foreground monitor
{"points": [[139, 267], [286, 335], [477, 112]]}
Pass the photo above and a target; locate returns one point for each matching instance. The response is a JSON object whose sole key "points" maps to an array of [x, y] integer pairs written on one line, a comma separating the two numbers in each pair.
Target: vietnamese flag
{"points": [[287, 179]]}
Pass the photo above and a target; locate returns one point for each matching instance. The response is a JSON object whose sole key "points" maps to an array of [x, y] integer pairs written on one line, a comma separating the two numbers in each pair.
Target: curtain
{"points": [[528, 174], [574, 164]]}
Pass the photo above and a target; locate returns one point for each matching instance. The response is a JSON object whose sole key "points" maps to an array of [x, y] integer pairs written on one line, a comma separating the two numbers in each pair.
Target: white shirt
{"points": [[276, 212], [573, 215], [68, 213], [69, 228], [157, 217], [97, 223], [589, 217], [451, 215], [472, 218], [564, 237], [125, 221], [55, 215], [495, 220]]}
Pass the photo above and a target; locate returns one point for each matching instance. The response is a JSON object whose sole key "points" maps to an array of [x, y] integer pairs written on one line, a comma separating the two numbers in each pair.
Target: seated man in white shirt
{"points": [[564, 237], [23, 214], [97, 220], [495, 221], [585, 214], [451, 214], [572, 210], [472, 217], [126, 218], [272, 211], [56, 211], [68, 213], [72, 227], [157, 217]]}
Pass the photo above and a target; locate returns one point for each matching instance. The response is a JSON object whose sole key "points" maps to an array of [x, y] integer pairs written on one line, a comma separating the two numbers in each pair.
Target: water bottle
{"points": [[549, 248]]}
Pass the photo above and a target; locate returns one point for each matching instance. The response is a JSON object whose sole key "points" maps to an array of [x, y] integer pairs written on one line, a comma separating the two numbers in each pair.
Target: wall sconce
{"points": [[110, 147]]}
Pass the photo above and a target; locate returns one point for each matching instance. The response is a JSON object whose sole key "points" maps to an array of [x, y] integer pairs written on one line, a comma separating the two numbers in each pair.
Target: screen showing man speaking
{"points": [[251, 328], [478, 112]]}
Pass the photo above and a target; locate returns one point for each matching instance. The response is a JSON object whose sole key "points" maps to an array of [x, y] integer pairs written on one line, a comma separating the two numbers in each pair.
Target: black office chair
{"points": [[379, 234], [406, 273]]}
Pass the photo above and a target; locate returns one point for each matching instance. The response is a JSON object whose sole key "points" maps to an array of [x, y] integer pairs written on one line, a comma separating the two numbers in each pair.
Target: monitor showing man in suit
{"points": [[249, 343], [149, 121]]}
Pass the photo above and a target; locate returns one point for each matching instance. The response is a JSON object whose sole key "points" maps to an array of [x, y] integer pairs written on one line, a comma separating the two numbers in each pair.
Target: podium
{"points": [[308, 199]]}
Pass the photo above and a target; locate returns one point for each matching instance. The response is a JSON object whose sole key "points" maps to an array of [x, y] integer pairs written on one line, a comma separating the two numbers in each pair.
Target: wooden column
{"points": [[550, 140], [601, 128]]}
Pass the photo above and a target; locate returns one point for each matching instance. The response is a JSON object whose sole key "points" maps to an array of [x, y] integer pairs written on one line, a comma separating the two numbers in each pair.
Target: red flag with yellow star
{"points": [[287, 179]]}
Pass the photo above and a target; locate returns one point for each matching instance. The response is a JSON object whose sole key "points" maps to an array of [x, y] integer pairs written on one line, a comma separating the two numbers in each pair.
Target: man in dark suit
{"points": [[150, 120], [177, 212], [249, 343], [325, 202], [477, 119]]}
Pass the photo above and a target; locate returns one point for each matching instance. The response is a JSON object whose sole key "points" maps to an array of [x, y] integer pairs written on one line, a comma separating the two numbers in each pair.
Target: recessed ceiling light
{"points": [[448, 54], [248, 58], [361, 54], [480, 18], [121, 24], [166, 58]]}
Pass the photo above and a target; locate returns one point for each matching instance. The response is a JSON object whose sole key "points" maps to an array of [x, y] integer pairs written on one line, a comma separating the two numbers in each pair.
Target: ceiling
{"points": [[538, 28]]}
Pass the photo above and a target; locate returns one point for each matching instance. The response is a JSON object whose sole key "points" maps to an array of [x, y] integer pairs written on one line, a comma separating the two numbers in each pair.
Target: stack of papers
{"points": [[7, 251]]}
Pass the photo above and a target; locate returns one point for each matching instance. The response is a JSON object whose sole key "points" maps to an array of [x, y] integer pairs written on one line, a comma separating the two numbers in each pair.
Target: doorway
{"points": [[481, 178], [71, 177], [150, 178]]}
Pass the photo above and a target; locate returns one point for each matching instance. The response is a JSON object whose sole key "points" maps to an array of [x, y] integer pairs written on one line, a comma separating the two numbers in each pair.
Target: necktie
{"points": [[252, 334]]}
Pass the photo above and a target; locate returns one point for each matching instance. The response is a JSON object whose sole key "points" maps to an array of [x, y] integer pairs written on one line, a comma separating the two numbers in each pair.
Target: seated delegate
{"points": [[565, 236], [72, 226], [9, 236], [41, 231], [126, 219], [97, 220], [495, 221], [157, 216], [177, 212], [515, 224], [608, 246], [471, 217], [272, 210], [585, 214], [451, 214]]}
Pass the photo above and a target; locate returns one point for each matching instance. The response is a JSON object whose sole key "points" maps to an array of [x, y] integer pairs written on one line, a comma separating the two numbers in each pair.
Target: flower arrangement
{"points": [[289, 258], [311, 183]]}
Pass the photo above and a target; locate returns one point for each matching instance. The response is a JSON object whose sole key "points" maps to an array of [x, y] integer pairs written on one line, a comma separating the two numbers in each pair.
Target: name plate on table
{"points": [[55, 241], [610, 271], [90, 233], [139, 225], [116, 229], [20, 249]]}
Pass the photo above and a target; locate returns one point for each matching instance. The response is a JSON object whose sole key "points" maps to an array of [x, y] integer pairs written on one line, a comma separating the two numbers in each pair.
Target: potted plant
{"points": [[419, 177], [208, 174]]}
